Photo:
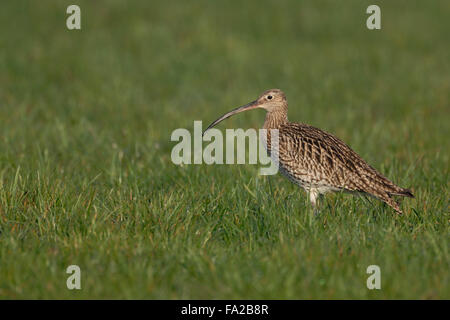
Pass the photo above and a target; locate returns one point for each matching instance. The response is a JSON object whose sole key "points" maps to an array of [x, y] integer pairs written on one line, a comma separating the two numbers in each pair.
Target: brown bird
{"points": [[316, 160]]}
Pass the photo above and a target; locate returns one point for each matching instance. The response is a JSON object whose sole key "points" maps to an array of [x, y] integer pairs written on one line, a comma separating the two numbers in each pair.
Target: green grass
{"points": [[86, 176]]}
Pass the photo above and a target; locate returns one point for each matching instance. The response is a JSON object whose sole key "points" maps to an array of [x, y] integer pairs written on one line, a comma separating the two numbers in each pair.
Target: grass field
{"points": [[86, 176]]}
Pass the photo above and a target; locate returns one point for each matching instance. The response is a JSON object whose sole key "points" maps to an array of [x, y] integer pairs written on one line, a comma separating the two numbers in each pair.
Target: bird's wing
{"points": [[327, 159]]}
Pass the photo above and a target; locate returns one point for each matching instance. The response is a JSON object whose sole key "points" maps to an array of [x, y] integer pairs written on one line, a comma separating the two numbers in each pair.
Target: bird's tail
{"points": [[389, 200], [404, 193]]}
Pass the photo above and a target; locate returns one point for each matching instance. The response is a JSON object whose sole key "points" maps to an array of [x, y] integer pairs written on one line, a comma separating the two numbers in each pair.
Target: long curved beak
{"points": [[248, 106]]}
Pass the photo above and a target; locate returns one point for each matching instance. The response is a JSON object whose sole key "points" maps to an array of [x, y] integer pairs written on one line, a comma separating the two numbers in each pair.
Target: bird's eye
{"points": [[269, 97]]}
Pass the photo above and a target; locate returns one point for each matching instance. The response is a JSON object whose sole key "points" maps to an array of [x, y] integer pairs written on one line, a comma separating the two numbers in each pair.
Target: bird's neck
{"points": [[275, 118]]}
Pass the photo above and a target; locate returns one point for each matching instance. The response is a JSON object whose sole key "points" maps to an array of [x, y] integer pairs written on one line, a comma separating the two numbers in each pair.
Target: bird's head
{"points": [[271, 100]]}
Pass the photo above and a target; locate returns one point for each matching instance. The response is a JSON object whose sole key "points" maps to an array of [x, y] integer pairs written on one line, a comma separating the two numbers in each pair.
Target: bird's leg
{"points": [[313, 195]]}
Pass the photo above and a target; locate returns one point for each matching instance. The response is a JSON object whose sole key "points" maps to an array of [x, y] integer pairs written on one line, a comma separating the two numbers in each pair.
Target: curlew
{"points": [[316, 160]]}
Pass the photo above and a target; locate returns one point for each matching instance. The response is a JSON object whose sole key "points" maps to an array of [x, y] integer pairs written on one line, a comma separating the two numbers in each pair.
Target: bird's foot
{"points": [[316, 211]]}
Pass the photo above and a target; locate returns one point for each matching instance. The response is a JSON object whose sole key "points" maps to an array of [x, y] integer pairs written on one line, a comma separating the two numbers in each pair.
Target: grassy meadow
{"points": [[86, 176]]}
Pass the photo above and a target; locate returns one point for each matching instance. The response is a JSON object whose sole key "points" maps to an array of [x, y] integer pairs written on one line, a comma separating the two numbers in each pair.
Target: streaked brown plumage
{"points": [[316, 160]]}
